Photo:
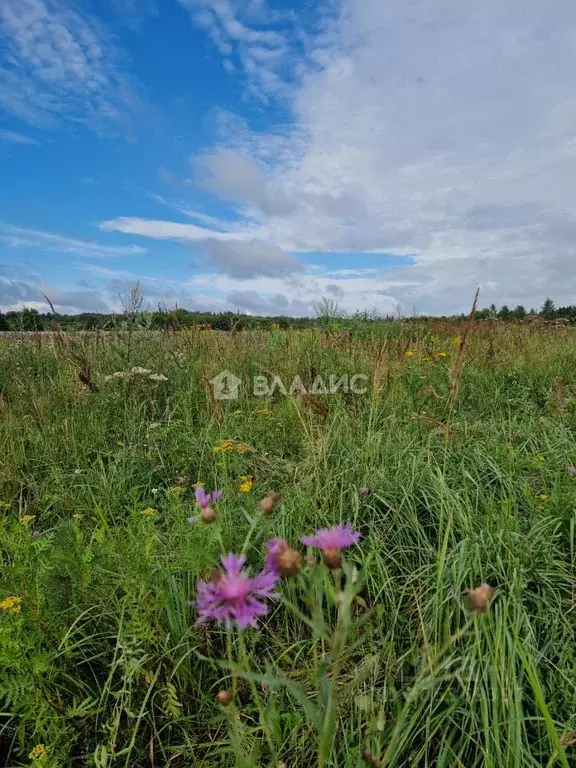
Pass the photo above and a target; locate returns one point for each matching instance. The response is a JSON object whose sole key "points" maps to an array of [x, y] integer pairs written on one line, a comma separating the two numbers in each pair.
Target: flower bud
{"points": [[369, 759], [288, 562], [208, 515], [479, 598], [268, 503], [224, 698], [332, 558]]}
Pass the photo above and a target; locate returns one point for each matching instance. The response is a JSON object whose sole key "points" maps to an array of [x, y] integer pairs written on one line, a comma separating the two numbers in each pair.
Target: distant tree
{"points": [[504, 312], [519, 312], [548, 310], [30, 320], [3, 323]]}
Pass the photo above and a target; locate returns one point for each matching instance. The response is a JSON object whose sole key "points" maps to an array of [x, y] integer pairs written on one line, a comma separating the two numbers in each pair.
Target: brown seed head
{"points": [[479, 598], [369, 759], [288, 562], [224, 698], [268, 503], [332, 558], [208, 515]]}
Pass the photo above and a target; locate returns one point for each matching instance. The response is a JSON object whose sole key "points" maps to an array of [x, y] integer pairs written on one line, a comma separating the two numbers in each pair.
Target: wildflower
{"points": [[203, 502], [281, 558], [36, 534], [441, 354], [275, 327], [331, 541], [232, 595], [543, 496], [243, 447], [11, 604], [203, 499], [224, 698], [140, 371], [246, 484], [25, 520], [223, 446], [268, 503], [154, 491], [180, 480], [409, 353], [479, 598], [364, 490], [456, 341], [149, 512], [158, 377], [38, 753], [572, 470]]}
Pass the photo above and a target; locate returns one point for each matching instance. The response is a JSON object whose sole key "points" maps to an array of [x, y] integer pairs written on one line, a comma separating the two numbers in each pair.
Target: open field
{"points": [[466, 451]]}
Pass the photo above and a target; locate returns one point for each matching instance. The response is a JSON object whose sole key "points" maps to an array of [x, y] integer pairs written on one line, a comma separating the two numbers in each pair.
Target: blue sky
{"points": [[258, 156]]}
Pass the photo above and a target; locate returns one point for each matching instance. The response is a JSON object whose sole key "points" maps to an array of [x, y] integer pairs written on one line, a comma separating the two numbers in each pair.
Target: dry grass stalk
{"points": [[456, 373], [217, 413]]}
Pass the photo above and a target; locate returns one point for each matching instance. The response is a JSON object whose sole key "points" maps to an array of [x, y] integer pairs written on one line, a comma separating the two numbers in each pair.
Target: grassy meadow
{"points": [[465, 450]]}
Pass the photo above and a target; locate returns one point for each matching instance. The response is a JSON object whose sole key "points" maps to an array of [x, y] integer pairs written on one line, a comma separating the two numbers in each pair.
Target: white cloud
{"points": [[166, 230], [250, 32], [439, 131], [12, 137], [20, 237], [58, 63]]}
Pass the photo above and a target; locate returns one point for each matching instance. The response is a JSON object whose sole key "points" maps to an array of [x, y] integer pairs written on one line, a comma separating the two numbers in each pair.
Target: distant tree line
{"points": [[29, 319]]}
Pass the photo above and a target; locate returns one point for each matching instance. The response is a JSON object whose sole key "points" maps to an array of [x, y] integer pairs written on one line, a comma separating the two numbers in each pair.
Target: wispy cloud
{"points": [[16, 138], [20, 237], [57, 63], [250, 36]]}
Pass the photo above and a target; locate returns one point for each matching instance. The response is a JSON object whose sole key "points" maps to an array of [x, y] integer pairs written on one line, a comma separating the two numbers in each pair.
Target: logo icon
{"points": [[225, 386]]}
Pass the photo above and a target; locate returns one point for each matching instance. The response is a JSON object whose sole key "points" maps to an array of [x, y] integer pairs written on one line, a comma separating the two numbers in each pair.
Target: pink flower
{"points": [[572, 470], [232, 595], [333, 538], [204, 500], [364, 491], [331, 541], [275, 547]]}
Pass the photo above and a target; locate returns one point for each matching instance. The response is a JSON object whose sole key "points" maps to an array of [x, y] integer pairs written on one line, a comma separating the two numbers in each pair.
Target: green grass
{"points": [[103, 664]]}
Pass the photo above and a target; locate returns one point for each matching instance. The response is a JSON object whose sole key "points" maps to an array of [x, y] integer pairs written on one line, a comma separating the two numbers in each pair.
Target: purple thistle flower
{"points": [[333, 538], [232, 595], [275, 547], [204, 500], [364, 490], [572, 470]]}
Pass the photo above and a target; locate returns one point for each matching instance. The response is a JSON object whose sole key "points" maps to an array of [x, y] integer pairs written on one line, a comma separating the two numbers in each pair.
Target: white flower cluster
{"points": [[136, 371]]}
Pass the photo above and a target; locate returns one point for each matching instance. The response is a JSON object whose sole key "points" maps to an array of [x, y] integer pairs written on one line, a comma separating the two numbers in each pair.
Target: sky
{"points": [[258, 155]]}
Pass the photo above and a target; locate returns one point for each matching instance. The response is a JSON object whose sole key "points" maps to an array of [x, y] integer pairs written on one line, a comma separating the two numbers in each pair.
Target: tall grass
{"points": [[103, 664]]}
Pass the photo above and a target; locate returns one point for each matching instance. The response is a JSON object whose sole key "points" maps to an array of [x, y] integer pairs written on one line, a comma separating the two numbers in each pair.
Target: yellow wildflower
{"points": [[410, 353], [246, 484], [224, 446], [243, 447], [149, 512], [27, 519], [442, 354], [456, 341], [275, 327], [38, 753], [198, 485], [11, 604], [543, 496]]}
